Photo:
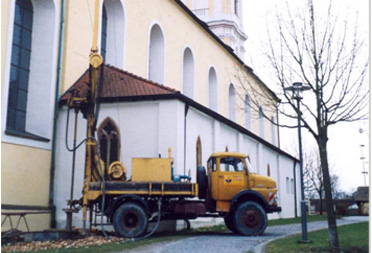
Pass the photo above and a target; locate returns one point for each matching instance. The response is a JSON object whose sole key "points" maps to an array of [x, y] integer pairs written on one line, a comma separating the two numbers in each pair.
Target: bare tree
{"points": [[326, 54], [313, 178]]}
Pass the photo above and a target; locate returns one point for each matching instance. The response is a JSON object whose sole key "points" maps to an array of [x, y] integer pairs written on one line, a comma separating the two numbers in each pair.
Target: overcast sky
{"points": [[344, 139]]}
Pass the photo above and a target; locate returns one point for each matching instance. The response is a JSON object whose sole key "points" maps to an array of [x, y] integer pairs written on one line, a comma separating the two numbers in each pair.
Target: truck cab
{"points": [[238, 193]]}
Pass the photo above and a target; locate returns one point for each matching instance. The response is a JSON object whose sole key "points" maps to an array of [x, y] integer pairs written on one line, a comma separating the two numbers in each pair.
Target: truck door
{"points": [[232, 177], [213, 177]]}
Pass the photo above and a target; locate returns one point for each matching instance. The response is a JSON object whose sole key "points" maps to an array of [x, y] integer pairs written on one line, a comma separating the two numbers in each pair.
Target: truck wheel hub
{"points": [[131, 220], [251, 218]]}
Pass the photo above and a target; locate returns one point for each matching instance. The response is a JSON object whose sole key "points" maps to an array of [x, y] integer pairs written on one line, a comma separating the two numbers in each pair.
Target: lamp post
{"points": [[297, 89]]}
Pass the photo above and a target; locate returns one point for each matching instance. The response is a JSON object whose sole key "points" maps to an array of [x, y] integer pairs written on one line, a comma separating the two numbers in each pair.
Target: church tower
{"points": [[224, 18]]}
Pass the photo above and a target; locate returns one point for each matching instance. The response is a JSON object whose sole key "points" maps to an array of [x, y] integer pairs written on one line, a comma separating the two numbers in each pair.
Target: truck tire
{"points": [[202, 180], [229, 222], [130, 220], [250, 219]]}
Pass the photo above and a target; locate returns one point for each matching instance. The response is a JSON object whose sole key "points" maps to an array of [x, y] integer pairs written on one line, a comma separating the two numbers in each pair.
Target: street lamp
{"points": [[297, 90]]}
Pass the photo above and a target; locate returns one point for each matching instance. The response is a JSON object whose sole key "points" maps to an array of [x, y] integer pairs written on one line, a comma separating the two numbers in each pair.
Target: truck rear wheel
{"points": [[250, 219], [229, 222], [130, 220], [202, 180]]}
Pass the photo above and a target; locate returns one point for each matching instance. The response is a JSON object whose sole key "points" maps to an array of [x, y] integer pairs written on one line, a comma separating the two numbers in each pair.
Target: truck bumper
{"points": [[273, 209]]}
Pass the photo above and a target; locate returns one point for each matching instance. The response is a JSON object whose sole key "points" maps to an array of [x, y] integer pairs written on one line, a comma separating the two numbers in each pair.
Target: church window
{"points": [[247, 112], [31, 71], [261, 122], [199, 161], [112, 33], [20, 66], [273, 132], [236, 7], [156, 56], [104, 33], [232, 103], [109, 142], [188, 73], [213, 96]]}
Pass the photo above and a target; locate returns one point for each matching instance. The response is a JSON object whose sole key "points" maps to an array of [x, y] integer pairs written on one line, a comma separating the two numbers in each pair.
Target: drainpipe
{"points": [[295, 187], [56, 107]]}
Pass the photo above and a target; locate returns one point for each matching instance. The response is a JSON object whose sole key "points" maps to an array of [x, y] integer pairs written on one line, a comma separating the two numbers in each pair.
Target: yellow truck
{"points": [[227, 188]]}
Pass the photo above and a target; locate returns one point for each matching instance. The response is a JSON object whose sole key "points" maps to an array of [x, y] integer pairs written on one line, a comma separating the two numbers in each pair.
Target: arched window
{"points": [[236, 7], [156, 56], [188, 73], [104, 33], [213, 95], [109, 141], [247, 112], [112, 33], [199, 161], [20, 66], [261, 122], [232, 103], [32, 70], [273, 132]]}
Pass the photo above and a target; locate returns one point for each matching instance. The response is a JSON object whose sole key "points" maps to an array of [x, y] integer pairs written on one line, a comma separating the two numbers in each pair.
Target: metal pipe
{"points": [[73, 160], [303, 202], [56, 110]]}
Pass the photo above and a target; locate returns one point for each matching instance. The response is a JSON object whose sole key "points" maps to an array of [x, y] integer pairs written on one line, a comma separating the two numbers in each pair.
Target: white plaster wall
{"points": [[228, 137], [198, 124], [63, 170], [286, 200]]}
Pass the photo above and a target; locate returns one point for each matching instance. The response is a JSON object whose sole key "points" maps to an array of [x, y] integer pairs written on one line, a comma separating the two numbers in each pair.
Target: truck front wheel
{"points": [[250, 219], [130, 220]]}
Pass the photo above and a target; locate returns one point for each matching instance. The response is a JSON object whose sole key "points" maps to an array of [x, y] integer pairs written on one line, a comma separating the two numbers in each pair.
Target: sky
{"points": [[344, 149]]}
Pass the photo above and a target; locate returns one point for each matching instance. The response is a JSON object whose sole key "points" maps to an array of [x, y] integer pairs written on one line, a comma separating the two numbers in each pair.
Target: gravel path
{"points": [[231, 243]]}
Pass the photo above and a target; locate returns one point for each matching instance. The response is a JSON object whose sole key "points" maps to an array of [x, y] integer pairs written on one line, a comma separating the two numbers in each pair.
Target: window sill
{"points": [[26, 135]]}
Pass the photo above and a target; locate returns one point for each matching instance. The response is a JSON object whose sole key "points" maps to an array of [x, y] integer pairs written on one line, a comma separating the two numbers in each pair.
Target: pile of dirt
{"points": [[85, 241]]}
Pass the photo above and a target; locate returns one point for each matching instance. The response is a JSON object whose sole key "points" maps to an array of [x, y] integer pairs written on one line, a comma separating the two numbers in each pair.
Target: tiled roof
{"points": [[362, 194], [119, 83]]}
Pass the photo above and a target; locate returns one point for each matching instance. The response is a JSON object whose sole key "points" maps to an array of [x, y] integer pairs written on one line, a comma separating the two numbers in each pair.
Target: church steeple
{"points": [[224, 18]]}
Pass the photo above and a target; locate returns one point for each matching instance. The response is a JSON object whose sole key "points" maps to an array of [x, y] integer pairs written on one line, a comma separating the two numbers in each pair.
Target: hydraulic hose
{"points": [[156, 226], [66, 136]]}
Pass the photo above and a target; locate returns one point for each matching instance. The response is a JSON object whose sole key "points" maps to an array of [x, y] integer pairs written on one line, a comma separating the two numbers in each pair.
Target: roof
{"points": [[119, 83], [362, 194], [122, 86]]}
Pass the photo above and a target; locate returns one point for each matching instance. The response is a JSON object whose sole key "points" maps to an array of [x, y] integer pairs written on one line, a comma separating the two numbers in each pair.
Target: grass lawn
{"points": [[309, 218], [352, 238]]}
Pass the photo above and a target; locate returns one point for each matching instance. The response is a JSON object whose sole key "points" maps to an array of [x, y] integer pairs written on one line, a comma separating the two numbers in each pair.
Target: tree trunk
{"points": [[332, 226], [321, 204]]}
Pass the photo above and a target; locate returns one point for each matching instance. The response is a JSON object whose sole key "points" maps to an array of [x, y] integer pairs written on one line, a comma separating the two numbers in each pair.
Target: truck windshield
{"points": [[249, 165], [231, 164]]}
